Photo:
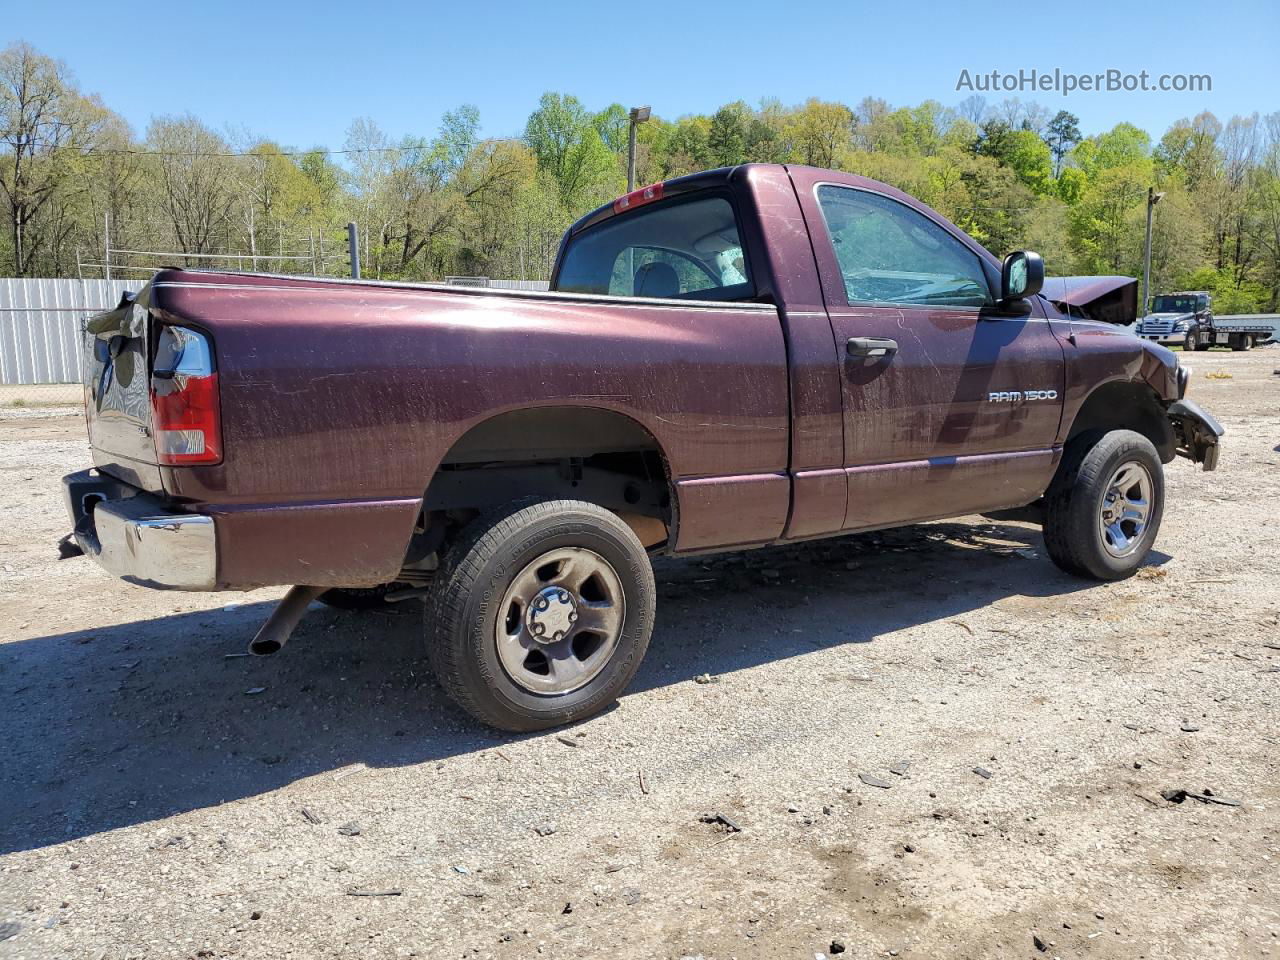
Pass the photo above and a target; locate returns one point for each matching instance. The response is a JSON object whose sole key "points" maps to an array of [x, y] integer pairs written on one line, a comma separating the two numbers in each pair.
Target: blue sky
{"points": [[301, 71]]}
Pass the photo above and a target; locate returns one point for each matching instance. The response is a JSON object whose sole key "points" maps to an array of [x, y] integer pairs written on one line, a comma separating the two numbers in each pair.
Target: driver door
{"points": [[949, 408]]}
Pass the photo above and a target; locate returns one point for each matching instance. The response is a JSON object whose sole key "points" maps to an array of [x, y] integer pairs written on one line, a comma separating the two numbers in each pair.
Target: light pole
{"points": [[1152, 199], [637, 116]]}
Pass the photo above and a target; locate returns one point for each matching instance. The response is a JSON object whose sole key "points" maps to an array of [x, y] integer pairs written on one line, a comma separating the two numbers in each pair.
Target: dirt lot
{"points": [[162, 796]]}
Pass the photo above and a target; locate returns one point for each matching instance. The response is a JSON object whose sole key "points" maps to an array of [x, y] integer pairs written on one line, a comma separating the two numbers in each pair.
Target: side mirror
{"points": [[1021, 275]]}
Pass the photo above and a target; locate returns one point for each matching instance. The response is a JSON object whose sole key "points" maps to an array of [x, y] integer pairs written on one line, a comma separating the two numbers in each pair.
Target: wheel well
{"points": [[1127, 405], [579, 453]]}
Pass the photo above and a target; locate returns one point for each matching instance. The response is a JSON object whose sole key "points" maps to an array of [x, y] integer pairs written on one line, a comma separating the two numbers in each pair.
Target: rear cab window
{"points": [[683, 248]]}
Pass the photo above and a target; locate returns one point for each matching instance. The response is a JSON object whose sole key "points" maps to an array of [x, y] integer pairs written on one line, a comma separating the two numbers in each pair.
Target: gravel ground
{"points": [[164, 796]]}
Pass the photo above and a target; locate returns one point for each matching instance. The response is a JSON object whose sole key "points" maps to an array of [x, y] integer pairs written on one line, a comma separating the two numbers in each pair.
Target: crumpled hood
{"points": [[1106, 299]]}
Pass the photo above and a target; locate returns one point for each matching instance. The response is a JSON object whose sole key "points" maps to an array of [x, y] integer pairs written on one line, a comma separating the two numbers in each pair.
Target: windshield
{"points": [[1174, 303], [679, 249]]}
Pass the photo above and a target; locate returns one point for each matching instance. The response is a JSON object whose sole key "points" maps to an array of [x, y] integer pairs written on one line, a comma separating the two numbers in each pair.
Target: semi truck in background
{"points": [[1187, 319]]}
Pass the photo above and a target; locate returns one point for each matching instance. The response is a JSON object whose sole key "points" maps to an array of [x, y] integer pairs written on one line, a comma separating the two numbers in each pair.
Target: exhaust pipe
{"points": [[284, 619]]}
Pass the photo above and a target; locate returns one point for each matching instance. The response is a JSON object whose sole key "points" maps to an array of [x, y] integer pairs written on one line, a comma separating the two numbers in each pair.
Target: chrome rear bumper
{"points": [[137, 537]]}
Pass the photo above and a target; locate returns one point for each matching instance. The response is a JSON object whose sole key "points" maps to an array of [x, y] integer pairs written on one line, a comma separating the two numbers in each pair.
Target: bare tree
{"points": [[196, 178], [46, 125]]}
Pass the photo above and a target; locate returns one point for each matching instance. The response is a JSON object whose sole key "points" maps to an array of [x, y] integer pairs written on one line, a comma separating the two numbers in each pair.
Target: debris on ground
{"points": [[350, 829], [900, 769], [545, 829], [983, 772], [374, 893], [1177, 795], [723, 820], [569, 741], [873, 781], [310, 817]]}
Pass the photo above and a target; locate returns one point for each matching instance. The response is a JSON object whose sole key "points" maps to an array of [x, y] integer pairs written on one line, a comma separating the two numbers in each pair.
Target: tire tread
{"points": [[461, 571]]}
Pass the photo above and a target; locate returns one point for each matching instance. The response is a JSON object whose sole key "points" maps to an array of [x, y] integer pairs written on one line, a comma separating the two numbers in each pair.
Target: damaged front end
{"points": [[1195, 432]]}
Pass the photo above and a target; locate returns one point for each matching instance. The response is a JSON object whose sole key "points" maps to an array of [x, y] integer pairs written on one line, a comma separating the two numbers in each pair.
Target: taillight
{"points": [[184, 399]]}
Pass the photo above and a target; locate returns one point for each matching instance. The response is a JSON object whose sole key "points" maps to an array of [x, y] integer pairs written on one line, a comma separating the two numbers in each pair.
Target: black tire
{"points": [[1074, 503], [1189, 343], [493, 552], [1241, 341], [359, 598]]}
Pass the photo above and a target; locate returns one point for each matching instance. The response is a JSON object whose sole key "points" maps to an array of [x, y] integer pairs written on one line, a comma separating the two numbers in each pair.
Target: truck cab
{"points": [[1175, 318]]}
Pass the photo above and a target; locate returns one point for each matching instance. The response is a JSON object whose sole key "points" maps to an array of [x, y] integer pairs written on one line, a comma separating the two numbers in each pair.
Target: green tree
{"points": [[1062, 134]]}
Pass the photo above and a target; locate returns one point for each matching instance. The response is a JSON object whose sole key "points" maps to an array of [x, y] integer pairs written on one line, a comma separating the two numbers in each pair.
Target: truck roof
{"points": [[724, 175]]}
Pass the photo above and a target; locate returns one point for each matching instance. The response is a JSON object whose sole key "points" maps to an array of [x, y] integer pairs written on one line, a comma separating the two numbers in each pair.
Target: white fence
{"points": [[40, 323]]}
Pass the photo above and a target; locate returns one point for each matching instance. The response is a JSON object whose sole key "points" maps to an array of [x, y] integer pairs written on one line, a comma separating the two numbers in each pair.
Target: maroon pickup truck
{"points": [[740, 357]]}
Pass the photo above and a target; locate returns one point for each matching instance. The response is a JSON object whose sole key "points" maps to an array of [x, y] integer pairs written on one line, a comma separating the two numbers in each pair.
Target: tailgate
{"points": [[117, 392]]}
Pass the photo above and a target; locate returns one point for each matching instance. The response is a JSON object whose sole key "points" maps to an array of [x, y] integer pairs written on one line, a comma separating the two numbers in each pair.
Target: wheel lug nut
{"points": [[563, 596], [573, 618]]}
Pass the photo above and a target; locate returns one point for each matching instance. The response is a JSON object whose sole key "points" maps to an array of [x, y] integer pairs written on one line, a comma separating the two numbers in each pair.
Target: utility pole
{"points": [[1152, 199], [353, 249], [636, 116], [106, 246], [253, 243]]}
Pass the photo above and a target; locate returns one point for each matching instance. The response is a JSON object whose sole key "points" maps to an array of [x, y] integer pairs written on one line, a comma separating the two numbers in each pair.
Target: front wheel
{"points": [[540, 614], [1103, 509]]}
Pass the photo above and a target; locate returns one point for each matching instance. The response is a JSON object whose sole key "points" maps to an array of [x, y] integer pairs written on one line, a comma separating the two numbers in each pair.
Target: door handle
{"points": [[871, 347]]}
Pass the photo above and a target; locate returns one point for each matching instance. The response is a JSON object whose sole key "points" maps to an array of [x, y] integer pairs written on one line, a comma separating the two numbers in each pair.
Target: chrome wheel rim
{"points": [[560, 621], [1125, 509]]}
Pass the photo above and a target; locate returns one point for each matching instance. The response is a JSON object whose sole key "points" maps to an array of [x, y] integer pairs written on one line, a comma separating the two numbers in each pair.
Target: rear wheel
{"points": [[1241, 341], [540, 614], [1103, 509]]}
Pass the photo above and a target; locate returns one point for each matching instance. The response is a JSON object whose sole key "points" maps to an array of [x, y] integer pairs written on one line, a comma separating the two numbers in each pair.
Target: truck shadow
{"points": [[117, 725]]}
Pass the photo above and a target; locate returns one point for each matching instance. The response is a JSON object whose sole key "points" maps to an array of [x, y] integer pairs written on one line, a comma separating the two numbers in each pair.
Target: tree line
{"points": [[76, 182]]}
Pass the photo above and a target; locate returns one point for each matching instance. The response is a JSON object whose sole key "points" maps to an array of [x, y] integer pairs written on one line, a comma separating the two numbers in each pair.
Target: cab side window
{"points": [[890, 253], [681, 248]]}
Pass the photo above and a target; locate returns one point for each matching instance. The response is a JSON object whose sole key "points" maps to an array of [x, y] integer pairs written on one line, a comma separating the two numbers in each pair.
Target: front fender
{"points": [[1160, 371], [1196, 432]]}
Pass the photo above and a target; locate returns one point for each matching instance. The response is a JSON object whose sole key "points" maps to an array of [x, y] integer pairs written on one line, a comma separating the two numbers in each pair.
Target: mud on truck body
{"points": [[748, 356]]}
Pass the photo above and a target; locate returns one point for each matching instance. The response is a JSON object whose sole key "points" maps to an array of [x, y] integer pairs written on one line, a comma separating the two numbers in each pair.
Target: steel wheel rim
{"points": [[560, 621], [1125, 509]]}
